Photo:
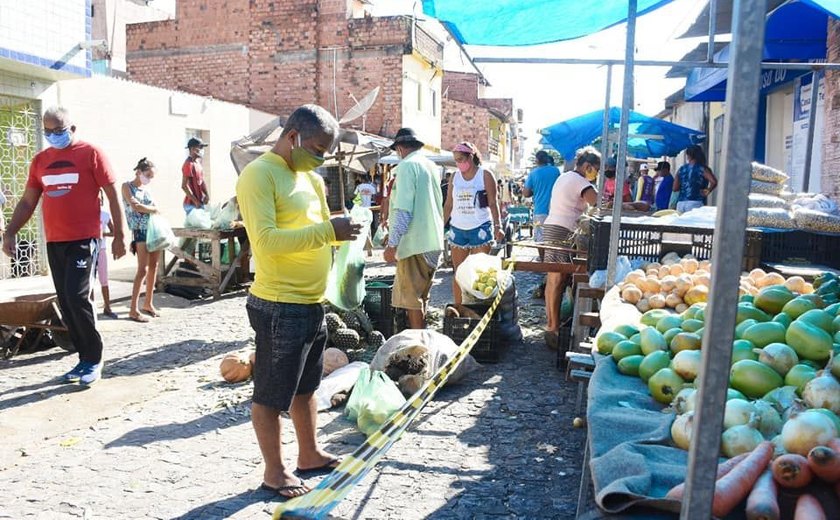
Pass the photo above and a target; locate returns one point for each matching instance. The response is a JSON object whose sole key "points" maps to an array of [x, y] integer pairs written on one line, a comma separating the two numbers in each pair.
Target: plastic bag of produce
{"points": [[816, 220], [337, 382], [226, 215], [413, 356], [346, 281], [758, 200], [765, 188], [479, 275], [198, 218], [622, 269], [380, 237], [814, 202], [373, 400], [159, 234], [778, 218], [762, 172]]}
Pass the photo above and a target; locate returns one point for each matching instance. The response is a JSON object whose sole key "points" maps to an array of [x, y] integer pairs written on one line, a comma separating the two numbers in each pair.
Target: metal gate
{"points": [[19, 134]]}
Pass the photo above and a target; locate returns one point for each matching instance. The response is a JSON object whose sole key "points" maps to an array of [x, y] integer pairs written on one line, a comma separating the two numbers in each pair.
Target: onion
{"points": [[740, 439], [781, 398], [806, 430], [778, 449], [779, 357], [769, 420], [685, 398], [823, 392], [794, 409], [681, 430], [738, 411]]}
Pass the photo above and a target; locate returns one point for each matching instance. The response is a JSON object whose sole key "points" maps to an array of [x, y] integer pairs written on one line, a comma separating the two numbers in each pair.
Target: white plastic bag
{"points": [[346, 281], [159, 234], [623, 267], [338, 381], [198, 218], [469, 273]]}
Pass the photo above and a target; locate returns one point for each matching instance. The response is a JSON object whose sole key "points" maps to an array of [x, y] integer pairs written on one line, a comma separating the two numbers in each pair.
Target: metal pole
{"points": [[742, 93], [621, 166], [710, 53], [812, 122], [605, 138]]}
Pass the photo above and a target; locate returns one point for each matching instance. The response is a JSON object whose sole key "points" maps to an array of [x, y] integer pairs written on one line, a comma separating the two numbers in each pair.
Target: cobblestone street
{"points": [[163, 437]]}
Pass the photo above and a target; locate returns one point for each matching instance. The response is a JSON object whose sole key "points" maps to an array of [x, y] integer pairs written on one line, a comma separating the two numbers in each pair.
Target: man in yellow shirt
{"points": [[288, 222]]}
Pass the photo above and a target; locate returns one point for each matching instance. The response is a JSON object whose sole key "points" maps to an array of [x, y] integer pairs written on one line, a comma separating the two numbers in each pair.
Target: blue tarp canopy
{"points": [[649, 137], [513, 23], [796, 31]]}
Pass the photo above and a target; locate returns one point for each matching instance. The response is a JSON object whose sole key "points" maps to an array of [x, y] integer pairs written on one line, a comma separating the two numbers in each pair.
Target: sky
{"points": [[550, 94]]}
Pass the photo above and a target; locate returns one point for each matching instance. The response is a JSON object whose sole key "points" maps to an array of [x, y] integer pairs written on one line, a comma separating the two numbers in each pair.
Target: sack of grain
{"points": [[758, 200], [789, 196], [777, 218], [818, 202], [765, 188], [762, 172], [816, 220]]}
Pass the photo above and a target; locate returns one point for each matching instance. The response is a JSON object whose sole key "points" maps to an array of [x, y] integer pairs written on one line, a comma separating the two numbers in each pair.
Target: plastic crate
{"points": [[799, 248], [377, 304], [492, 344]]}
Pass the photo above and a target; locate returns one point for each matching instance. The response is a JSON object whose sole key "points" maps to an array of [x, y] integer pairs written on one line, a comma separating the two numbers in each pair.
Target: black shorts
{"points": [[290, 342]]}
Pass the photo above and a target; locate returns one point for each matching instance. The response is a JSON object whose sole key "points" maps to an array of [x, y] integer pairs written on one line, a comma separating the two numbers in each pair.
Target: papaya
{"points": [[829, 287], [653, 363], [636, 338], [652, 340], [753, 379], [669, 335], [799, 376], [772, 299], [747, 311], [692, 325], [700, 331], [668, 322], [818, 318], [625, 348], [685, 341], [651, 317], [798, 306], [665, 384], [783, 318], [835, 324], [743, 349], [731, 393], [809, 341], [629, 366], [701, 311], [607, 340], [690, 313], [762, 334], [626, 330], [816, 299], [748, 298], [833, 309], [742, 327]]}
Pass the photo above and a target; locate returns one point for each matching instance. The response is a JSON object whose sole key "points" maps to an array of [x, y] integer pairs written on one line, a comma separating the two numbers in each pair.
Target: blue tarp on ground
{"points": [[661, 138], [803, 40], [513, 23]]}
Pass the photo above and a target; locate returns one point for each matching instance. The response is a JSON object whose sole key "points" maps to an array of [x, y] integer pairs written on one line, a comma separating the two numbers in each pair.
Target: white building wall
{"points": [[421, 105], [779, 134]]}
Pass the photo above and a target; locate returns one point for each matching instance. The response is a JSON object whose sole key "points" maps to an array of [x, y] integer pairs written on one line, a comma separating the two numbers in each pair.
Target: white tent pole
{"points": [[742, 91], [623, 130], [605, 136]]}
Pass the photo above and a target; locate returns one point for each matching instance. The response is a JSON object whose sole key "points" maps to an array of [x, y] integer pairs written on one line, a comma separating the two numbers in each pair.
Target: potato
{"points": [[631, 294], [657, 301]]}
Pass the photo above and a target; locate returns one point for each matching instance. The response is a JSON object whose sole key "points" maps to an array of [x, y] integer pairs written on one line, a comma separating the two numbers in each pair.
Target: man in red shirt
{"points": [[193, 183], [69, 175]]}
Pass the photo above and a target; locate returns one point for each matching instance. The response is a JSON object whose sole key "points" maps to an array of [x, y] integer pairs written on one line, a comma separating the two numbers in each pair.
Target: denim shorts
{"points": [[138, 235], [471, 238], [290, 341]]}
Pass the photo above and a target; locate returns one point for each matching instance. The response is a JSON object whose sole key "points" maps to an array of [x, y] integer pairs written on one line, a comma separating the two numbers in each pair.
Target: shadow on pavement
{"points": [[168, 357], [227, 507], [26, 359], [222, 418], [41, 392]]}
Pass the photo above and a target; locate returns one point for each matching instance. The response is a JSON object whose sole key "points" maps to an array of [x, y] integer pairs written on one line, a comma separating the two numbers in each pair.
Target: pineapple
{"points": [[334, 322], [351, 320], [375, 339], [345, 339]]}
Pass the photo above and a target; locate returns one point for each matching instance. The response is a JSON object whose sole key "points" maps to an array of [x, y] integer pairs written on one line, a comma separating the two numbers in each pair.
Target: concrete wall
{"points": [[154, 123], [421, 103]]}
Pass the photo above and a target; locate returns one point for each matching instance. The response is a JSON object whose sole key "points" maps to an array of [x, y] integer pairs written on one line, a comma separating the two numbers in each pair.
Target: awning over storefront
{"points": [[648, 136], [514, 23], [784, 40]]}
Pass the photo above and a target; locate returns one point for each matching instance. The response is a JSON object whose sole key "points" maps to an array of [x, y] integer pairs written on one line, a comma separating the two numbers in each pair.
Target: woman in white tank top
{"points": [[471, 208]]}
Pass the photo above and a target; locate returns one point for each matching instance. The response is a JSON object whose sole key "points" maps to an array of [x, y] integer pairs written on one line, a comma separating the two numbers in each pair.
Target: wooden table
{"points": [[578, 264], [214, 276]]}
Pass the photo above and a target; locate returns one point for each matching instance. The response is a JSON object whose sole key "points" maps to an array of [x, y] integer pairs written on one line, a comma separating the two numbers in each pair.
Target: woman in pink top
{"points": [[572, 191]]}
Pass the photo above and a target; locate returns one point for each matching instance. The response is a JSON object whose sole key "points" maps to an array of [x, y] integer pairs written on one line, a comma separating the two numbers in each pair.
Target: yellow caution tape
{"points": [[317, 504]]}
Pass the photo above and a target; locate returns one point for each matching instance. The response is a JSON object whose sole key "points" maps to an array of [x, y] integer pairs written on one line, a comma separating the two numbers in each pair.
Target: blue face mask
{"points": [[61, 140]]}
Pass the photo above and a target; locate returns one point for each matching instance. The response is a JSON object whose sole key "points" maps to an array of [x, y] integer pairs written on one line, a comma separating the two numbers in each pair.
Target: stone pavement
{"points": [[163, 437]]}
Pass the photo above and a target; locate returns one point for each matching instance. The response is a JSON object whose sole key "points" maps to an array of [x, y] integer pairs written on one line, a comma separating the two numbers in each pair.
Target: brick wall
{"points": [[831, 121], [464, 122], [461, 86], [275, 56], [503, 106]]}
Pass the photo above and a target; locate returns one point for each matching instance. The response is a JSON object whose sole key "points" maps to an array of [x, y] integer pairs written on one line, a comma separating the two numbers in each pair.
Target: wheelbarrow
{"points": [[27, 319]]}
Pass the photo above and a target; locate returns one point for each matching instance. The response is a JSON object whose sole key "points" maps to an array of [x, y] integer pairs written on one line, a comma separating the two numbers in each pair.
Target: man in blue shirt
{"points": [[664, 183], [539, 185]]}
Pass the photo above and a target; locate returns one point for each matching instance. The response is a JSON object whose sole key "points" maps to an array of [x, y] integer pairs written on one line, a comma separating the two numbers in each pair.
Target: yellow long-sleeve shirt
{"points": [[288, 223]]}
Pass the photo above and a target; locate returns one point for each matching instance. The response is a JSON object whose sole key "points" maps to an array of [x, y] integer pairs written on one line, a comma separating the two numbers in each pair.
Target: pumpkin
{"points": [[333, 360], [235, 368]]}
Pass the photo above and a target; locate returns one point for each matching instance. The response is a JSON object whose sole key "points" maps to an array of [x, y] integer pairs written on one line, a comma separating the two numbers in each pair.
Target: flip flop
{"points": [[153, 314], [111, 314], [323, 469], [552, 340], [279, 490], [138, 319]]}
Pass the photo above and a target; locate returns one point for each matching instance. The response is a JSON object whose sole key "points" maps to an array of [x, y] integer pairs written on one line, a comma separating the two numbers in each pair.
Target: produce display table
{"points": [[216, 276]]}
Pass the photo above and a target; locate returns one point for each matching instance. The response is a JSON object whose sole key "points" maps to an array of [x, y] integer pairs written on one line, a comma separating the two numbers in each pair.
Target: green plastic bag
{"points": [[158, 234], [346, 281], [373, 401]]}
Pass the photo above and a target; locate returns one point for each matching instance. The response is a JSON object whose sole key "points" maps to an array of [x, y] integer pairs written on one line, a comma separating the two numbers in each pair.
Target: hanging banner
{"points": [[801, 113]]}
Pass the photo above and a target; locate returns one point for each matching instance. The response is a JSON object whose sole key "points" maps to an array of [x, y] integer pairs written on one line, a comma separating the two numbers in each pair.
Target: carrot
{"points": [[734, 487], [825, 463], [677, 492], [808, 508], [791, 470], [763, 502], [834, 444]]}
